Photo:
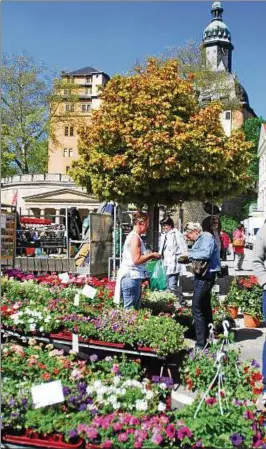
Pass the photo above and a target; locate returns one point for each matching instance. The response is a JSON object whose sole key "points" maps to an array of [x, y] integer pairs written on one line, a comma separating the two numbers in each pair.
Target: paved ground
{"points": [[247, 265]]}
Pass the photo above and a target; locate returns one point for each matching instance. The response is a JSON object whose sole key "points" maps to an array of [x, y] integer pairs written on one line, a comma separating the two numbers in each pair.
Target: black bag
{"points": [[199, 267]]}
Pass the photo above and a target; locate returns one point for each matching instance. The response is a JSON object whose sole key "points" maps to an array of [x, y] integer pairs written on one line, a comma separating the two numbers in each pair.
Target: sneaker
{"points": [[183, 304]]}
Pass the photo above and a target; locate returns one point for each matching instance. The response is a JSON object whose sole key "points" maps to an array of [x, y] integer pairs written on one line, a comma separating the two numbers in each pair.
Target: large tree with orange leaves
{"points": [[150, 142]]}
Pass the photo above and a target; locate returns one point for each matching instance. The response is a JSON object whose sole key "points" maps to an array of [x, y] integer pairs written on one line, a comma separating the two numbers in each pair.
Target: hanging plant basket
{"points": [[233, 311], [251, 321]]}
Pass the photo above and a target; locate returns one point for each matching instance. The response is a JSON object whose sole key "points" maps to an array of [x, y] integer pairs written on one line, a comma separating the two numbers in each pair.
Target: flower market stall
{"points": [[57, 335]]}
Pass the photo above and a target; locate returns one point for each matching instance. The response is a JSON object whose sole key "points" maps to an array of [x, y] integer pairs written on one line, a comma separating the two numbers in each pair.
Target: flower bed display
{"points": [[31, 438], [29, 307]]}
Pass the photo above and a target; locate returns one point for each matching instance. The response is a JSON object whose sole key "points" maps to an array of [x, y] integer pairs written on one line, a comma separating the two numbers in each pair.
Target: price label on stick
{"points": [[89, 291], [47, 394], [75, 343], [64, 278], [76, 299]]}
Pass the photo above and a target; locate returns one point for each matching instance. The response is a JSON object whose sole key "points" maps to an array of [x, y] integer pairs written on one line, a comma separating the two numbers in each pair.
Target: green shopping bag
{"points": [[158, 279]]}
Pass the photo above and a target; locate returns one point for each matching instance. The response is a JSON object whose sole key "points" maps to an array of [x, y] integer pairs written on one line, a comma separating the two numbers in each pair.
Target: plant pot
{"points": [[251, 321], [32, 438], [62, 336], [233, 310], [106, 343], [145, 349]]}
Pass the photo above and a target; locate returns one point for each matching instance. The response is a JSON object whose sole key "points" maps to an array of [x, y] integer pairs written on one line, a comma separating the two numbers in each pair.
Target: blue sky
{"points": [[111, 36]]}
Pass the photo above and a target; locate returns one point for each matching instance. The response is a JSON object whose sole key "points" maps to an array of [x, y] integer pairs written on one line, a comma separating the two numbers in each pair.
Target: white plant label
{"points": [[75, 343], [216, 288], [64, 277], [89, 291], [47, 394], [76, 299]]}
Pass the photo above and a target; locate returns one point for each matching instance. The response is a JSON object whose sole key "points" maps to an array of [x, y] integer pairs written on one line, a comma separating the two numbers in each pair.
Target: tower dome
{"points": [[217, 29]]}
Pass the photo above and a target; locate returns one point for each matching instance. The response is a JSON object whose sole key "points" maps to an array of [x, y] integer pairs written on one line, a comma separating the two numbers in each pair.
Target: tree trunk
{"points": [[153, 231]]}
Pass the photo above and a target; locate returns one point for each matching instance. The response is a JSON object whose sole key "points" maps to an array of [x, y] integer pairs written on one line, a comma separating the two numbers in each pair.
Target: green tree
{"points": [[151, 143], [229, 224], [31, 99], [251, 130]]}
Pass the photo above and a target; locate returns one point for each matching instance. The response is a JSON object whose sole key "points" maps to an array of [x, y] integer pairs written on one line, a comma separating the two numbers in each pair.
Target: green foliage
{"points": [[251, 130], [229, 224], [149, 142]]}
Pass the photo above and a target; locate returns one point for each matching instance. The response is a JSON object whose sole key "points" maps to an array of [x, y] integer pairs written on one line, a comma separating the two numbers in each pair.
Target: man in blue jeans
{"points": [[259, 258]]}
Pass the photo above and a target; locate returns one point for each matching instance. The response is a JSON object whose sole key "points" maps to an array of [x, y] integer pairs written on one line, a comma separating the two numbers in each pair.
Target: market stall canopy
{"points": [[34, 220]]}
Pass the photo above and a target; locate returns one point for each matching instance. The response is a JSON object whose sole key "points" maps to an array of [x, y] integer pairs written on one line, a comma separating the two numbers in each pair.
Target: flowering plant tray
{"points": [[31, 438], [64, 335], [145, 349]]}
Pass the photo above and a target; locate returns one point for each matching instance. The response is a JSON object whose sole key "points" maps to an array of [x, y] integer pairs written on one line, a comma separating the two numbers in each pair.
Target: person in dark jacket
{"points": [[205, 249]]}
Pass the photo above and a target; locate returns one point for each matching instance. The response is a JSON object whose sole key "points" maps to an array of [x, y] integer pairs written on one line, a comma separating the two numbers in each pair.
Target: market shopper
{"points": [[205, 258], [172, 246], [239, 246], [132, 271], [259, 259], [225, 240]]}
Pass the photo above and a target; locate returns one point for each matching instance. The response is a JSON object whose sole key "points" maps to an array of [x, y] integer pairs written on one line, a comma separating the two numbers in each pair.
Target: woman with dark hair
{"points": [[205, 250]]}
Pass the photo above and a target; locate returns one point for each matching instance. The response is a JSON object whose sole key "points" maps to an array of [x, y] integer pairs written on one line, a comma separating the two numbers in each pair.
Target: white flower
{"points": [[89, 390], [31, 320], [149, 394], [32, 327], [97, 384], [116, 405], [47, 319], [141, 405], [112, 399], [161, 407], [41, 329], [116, 380], [163, 386]]}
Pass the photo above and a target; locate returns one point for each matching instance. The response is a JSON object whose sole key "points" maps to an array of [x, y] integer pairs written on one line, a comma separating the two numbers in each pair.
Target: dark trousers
{"points": [[201, 307]]}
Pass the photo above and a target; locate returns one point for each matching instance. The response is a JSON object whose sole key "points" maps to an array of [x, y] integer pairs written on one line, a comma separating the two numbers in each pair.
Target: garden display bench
{"points": [[66, 339]]}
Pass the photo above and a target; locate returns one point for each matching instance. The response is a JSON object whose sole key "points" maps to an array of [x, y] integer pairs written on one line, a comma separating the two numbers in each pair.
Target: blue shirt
{"points": [[205, 248]]}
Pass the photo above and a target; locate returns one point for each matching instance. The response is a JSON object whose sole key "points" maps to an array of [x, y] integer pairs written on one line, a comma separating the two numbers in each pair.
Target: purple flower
{"points": [[66, 391], [82, 407], [183, 432], [236, 439], [82, 387], [93, 358], [115, 369], [94, 411], [73, 433], [198, 444], [254, 363], [12, 402], [108, 359], [24, 401]]}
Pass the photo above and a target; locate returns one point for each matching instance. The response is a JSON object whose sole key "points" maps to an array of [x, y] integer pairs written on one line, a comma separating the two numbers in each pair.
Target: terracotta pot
{"points": [[233, 310], [251, 321]]}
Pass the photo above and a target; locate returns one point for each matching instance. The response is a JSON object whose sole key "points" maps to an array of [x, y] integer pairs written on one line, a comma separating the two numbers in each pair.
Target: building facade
{"points": [[86, 86], [262, 170]]}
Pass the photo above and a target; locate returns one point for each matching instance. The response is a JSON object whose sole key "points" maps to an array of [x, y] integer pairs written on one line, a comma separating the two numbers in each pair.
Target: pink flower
{"points": [[157, 438], [140, 434], [248, 414], [210, 401], [123, 437], [138, 444], [91, 433], [170, 431], [107, 444], [117, 426], [183, 432], [134, 421]]}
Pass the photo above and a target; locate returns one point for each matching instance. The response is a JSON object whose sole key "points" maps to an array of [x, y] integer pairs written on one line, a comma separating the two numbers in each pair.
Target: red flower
{"points": [[46, 376], [198, 371]]}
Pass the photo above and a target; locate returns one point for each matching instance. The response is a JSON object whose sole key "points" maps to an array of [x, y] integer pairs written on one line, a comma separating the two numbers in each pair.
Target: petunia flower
{"points": [[236, 439], [183, 432]]}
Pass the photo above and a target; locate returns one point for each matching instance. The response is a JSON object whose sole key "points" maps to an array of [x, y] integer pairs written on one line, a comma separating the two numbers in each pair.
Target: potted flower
{"points": [[233, 300], [251, 306]]}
